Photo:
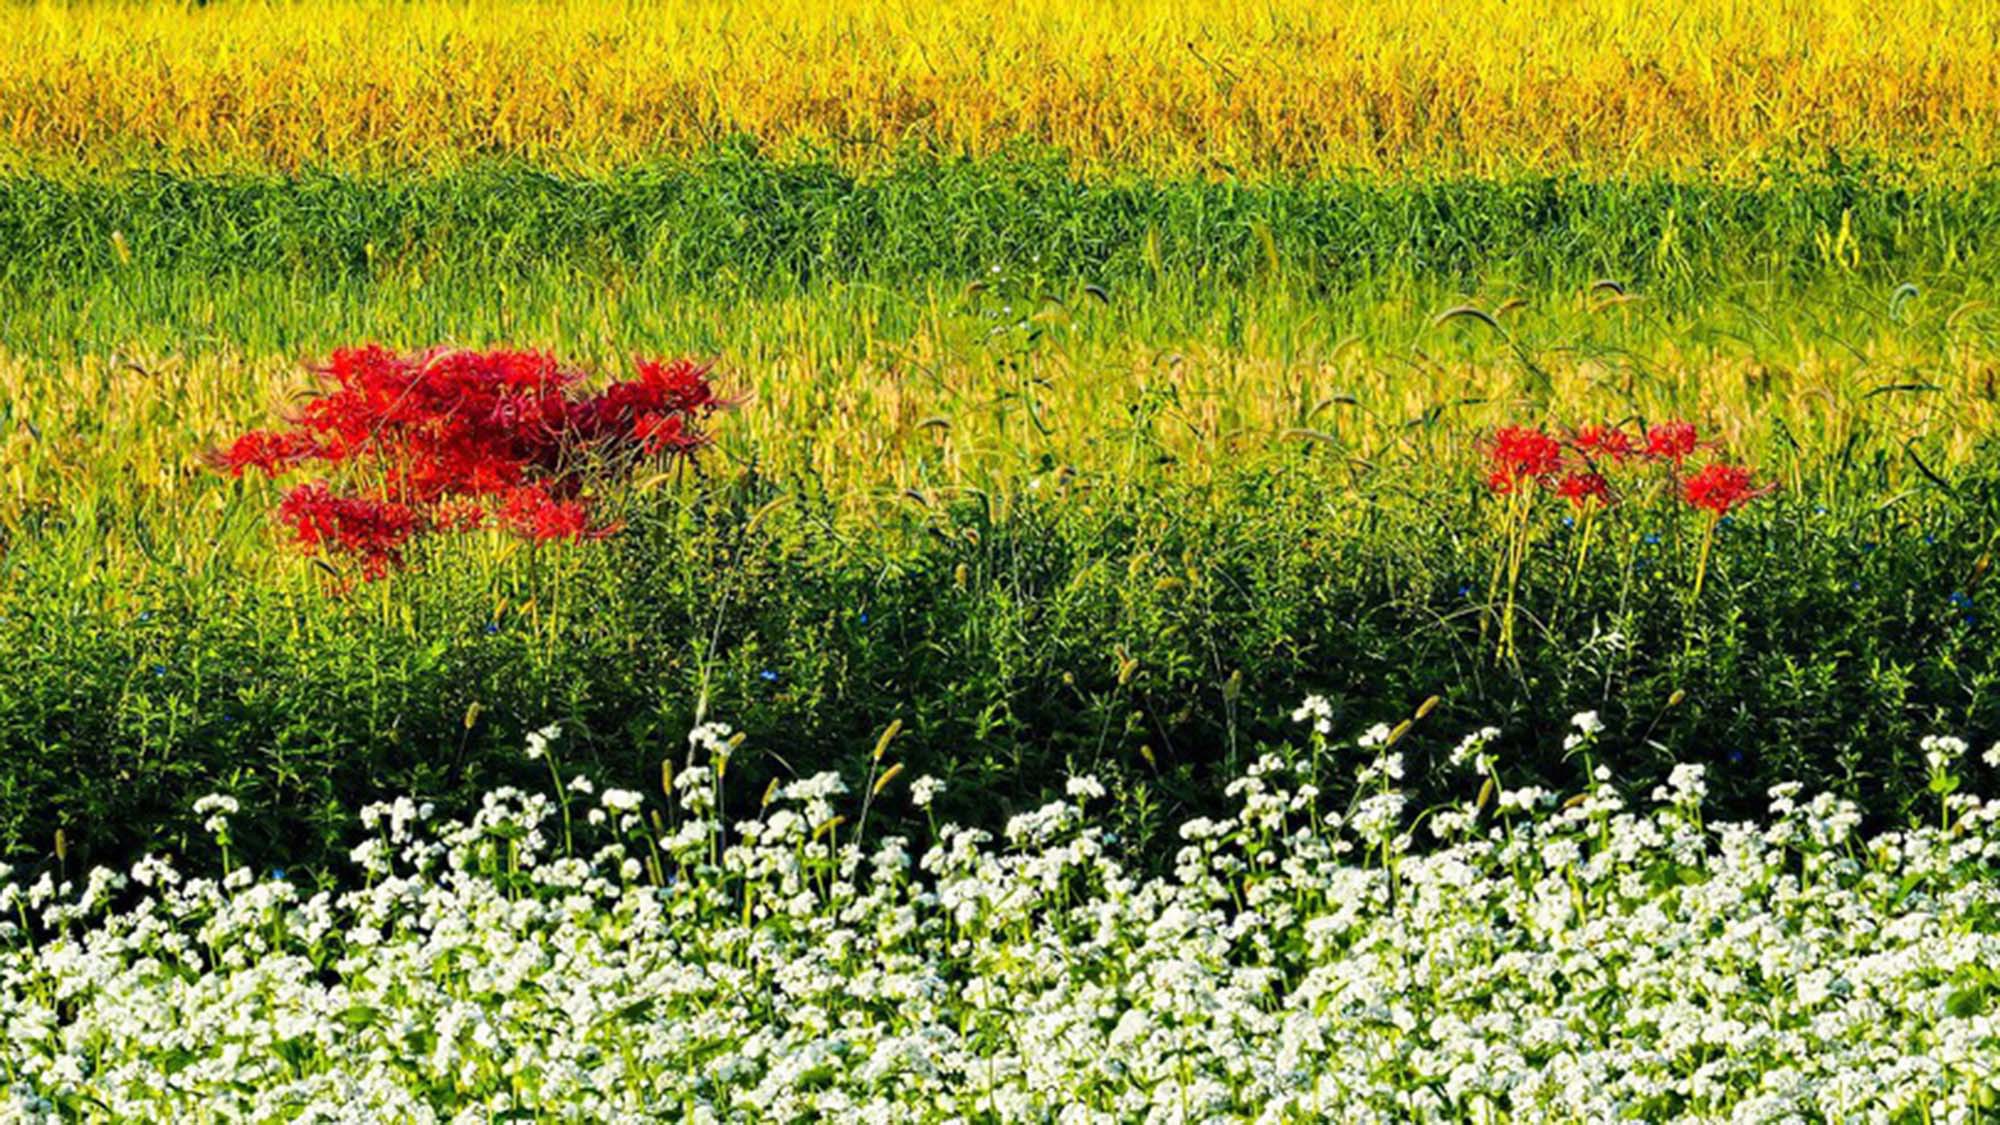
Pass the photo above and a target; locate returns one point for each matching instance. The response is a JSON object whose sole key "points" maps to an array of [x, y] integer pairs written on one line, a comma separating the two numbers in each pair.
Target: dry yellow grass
{"points": [[1164, 86], [127, 436]]}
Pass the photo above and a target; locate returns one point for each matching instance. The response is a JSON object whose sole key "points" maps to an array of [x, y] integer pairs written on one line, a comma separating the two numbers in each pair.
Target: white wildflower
{"points": [[1686, 786], [1084, 788], [1941, 750], [1304, 965], [538, 741], [215, 809], [1317, 711], [1472, 748], [713, 739]]}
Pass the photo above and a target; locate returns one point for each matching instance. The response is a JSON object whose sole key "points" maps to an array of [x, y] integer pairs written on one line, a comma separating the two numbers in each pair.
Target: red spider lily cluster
{"points": [[460, 440], [1523, 458], [1721, 489], [1522, 461], [1578, 467]]}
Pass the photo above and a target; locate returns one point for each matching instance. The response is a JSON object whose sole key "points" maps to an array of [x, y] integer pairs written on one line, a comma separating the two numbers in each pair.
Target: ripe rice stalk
{"points": [[1375, 86]]}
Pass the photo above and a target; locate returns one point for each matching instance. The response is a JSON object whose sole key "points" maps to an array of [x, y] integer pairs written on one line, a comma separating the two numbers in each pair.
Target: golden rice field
{"points": [[1434, 87]]}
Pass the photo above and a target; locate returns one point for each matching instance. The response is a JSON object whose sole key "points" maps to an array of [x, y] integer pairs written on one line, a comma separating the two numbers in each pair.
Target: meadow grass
{"points": [[1488, 87], [1214, 430], [875, 393], [1806, 317], [1040, 539], [728, 219]]}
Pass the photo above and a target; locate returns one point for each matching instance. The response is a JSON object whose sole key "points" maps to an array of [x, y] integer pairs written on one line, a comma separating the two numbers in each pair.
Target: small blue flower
{"points": [[1465, 591], [1569, 521], [864, 617], [1819, 509], [768, 676], [1930, 540], [1866, 547], [278, 873], [1854, 585], [1961, 599], [145, 616], [159, 669], [492, 627], [1651, 537], [1736, 757], [1726, 520]]}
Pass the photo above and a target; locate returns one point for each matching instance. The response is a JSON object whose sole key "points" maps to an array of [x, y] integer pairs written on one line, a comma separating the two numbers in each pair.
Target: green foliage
{"points": [[1156, 636], [734, 222], [978, 490]]}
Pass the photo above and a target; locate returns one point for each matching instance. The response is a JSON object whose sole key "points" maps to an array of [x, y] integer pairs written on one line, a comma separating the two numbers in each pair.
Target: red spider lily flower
{"points": [[1671, 441], [1599, 443], [636, 410], [272, 451], [682, 385], [1521, 454], [1582, 487], [458, 515], [445, 422], [374, 530], [438, 431], [534, 514], [1721, 488], [666, 433]]}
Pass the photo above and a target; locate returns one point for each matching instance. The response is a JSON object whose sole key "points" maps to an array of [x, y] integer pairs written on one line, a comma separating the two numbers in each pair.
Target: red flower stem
{"points": [[1586, 531], [1499, 565], [1701, 556], [1700, 573], [1517, 551]]}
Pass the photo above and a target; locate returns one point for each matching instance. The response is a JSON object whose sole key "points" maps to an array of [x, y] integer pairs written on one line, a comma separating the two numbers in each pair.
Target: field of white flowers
{"points": [[1519, 956]]}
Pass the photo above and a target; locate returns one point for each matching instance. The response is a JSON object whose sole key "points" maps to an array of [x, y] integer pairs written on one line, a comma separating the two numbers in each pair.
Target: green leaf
{"points": [[1966, 1003]]}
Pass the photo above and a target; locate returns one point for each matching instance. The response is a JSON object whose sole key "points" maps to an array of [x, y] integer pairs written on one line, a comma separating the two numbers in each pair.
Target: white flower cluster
{"points": [[925, 790], [712, 739], [1941, 750], [1471, 750], [1547, 960], [1317, 711], [539, 741], [215, 809], [1588, 727]]}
